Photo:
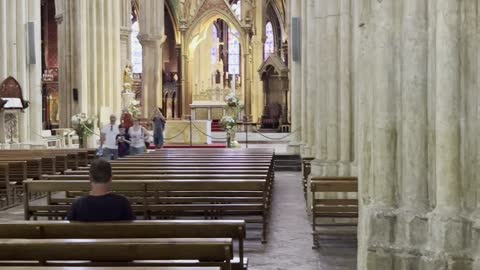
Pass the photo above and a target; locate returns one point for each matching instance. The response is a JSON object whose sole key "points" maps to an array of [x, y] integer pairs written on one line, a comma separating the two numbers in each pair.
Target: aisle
{"points": [[290, 241]]}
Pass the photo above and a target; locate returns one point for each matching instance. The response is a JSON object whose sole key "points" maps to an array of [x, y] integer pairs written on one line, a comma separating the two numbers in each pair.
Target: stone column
{"points": [[384, 105], [152, 37], [125, 31], [3, 41], [345, 109], [332, 87], [309, 80], [414, 106], [247, 74], [35, 76], [446, 217], [184, 74], [295, 86], [448, 106], [413, 158]]}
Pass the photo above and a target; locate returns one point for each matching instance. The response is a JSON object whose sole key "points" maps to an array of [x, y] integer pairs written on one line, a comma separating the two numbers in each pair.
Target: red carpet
{"points": [[213, 145]]}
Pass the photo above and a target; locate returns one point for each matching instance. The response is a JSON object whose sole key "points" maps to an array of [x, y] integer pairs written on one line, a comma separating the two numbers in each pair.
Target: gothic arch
{"points": [[209, 16]]}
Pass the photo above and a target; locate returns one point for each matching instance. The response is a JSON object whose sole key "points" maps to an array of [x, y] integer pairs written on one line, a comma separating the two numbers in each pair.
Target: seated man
{"points": [[100, 204]]}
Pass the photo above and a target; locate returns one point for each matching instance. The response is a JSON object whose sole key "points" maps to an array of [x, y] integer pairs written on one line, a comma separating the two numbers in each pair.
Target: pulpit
{"points": [[11, 105]]}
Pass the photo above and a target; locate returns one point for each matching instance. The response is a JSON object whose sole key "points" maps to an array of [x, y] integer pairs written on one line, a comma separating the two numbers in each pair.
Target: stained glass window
{"points": [[213, 51], [233, 52], [136, 49], [269, 47]]}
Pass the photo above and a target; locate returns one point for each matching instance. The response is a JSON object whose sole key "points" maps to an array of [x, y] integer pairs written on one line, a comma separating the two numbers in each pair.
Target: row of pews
{"points": [[334, 204], [17, 166], [194, 209]]}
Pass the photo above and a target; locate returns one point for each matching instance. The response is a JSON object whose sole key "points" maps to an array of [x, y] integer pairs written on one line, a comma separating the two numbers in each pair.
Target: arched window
{"points": [[136, 53], [233, 52], [213, 50], [269, 46]]}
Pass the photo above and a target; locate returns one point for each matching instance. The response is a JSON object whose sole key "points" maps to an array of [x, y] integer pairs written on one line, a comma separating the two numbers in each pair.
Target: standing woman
{"points": [[158, 126], [138, 135]]}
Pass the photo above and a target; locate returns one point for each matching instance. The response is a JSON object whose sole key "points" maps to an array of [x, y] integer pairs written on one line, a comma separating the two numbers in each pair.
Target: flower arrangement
{"points": [[228, 122], [232, 100], [83, 125], [134, 108]]}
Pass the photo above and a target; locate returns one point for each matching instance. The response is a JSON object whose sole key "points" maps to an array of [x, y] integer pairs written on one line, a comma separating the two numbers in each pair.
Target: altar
{"points": [[207, 110], [178, 131]]}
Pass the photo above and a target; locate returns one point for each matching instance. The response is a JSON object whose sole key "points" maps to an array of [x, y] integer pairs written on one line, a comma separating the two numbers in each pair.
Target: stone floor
{"points": [[289, 240]]}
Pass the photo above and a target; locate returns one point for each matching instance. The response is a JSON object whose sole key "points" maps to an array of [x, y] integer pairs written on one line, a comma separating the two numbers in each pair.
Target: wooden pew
{"points": [[35, 166], [138, 176], [333, 208], [226, 207], [234, 229], [119, 252], [109, 268], [12, 175]]}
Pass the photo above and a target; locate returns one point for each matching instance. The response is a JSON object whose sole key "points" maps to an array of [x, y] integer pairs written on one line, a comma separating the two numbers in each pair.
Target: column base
{"points": [[324, 168], [294, 148], [306, 151]]}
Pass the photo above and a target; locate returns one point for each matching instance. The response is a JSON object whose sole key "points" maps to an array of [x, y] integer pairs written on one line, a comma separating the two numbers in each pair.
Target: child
{"points": [[123, 142]]}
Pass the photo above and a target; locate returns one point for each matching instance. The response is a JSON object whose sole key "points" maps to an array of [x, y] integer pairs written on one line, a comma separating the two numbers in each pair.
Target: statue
{"points": [[127, 79]]}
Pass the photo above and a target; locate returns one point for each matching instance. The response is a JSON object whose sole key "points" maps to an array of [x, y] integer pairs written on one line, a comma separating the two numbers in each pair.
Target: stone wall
{"points": [[398, 105]]}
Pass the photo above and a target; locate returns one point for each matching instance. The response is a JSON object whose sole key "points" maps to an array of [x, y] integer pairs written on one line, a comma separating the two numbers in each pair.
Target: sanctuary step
{"points": [[216, 126], [286, 162]]}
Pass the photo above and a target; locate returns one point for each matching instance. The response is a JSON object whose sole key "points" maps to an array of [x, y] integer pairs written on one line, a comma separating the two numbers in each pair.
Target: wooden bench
{"points": [[117, 252], [143, 203], [35, 165], [108, 268], [334, 208], [12, 175], [234, 229]]}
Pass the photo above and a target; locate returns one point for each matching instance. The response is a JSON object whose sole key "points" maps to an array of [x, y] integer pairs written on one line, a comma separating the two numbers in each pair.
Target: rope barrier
{"points": [[216, 138], [276, 139], [180, 133]]}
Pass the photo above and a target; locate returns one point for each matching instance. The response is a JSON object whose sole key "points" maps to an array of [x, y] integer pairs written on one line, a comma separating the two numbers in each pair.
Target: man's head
{"points": [[113, 119], [100, 172]]}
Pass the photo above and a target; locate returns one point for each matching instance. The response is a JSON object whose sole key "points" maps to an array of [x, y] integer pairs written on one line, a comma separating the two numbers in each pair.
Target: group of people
{"points": [[122, 140]]}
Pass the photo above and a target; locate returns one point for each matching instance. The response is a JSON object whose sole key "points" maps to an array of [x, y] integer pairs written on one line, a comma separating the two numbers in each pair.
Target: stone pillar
{"points": [[345, 63], [308, 81], [448, 106], [152, 36], [332, 87], [247, 74], [184, 74], [295, 87], [446, 217], [126, 31], [378, 171], [411, 224], [34, 73], [414, 106]]}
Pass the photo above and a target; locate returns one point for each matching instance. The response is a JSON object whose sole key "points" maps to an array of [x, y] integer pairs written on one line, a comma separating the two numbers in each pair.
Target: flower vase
{"points": [[231, 141]]}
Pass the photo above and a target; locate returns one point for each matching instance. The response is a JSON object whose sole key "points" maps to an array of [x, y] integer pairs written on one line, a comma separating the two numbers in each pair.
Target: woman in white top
{"points": [[138, 135]]}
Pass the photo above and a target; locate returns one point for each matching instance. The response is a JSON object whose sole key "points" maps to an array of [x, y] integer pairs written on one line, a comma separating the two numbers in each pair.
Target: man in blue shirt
{"points": [[101, 205]]}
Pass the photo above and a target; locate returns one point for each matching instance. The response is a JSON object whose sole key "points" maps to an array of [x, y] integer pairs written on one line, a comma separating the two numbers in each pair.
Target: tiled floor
{"points": [[290, 241]]}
